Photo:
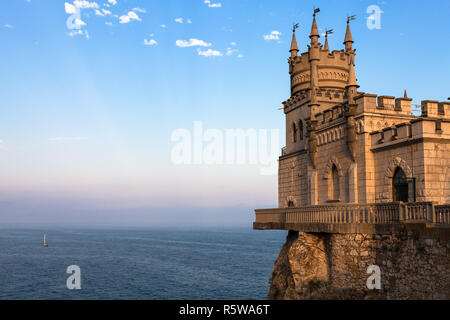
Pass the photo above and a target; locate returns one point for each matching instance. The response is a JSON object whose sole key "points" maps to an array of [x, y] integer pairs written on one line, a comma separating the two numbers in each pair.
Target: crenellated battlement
{"points": [[415, 130], [432, 108], [371, 103], [332, 70]]}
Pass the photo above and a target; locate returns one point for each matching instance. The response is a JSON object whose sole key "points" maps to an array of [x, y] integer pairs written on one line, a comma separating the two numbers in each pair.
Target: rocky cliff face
{"points": [[334, 266]]}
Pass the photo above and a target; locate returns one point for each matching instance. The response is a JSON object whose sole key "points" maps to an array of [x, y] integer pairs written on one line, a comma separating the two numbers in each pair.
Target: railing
{"points": [[442, 214], [376, 213]]}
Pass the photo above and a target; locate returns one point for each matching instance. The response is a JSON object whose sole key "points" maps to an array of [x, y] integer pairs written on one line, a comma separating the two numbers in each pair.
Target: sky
{"points": [[93, 91]]}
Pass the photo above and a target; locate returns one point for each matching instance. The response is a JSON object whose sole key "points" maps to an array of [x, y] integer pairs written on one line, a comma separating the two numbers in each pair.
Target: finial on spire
{"points": [[294, 48], [314, 30], [348, 34], [405, 96]]}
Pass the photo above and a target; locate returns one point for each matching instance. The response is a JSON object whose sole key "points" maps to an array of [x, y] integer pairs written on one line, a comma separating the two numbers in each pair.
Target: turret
{"points": [[352, 84], [314, 36], [325, 47], [314, 57], [348, 41], [294, 48]]}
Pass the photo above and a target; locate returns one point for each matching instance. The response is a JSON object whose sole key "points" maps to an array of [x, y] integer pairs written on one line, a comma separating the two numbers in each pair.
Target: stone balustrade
{"points": [[442, 214], [335, 215]]}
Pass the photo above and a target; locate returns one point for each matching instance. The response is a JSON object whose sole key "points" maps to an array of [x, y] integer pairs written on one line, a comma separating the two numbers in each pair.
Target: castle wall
{"points": [[292, 180], [422, 149], [436, 172], [333, 152]]}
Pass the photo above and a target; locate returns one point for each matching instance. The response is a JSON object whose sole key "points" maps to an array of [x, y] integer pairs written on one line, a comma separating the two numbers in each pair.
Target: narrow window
{"points": [[294, 132], [300, 127]]}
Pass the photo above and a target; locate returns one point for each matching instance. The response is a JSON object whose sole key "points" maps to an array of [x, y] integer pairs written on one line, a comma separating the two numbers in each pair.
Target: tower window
{"points": [[300, 127], [294, 132]]}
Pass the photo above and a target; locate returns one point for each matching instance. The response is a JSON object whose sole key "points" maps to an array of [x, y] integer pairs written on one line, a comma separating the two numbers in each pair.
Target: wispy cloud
{"points": [[274, 35], [213, 5], [163, 26], [8, 26], [179, 20], [192, 43], [83, 4], [129, 17], [150, 42], [141, 10], [209, 53], [230, 51], [102, 12]]}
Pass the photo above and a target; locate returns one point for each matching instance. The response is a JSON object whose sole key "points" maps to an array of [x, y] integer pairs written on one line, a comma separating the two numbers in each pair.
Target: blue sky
{"points": [[86, 119]]}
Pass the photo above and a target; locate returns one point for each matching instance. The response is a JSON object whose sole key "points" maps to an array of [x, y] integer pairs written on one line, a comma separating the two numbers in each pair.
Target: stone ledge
{"points": [[424, 229]]}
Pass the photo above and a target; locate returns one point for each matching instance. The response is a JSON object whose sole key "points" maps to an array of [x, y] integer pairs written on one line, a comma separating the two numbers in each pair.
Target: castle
{"points": [[352, 147], [356, 164]]}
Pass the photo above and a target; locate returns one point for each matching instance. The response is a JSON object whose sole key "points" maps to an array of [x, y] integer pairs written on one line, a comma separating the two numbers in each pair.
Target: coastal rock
{"points": [[335, 266]]}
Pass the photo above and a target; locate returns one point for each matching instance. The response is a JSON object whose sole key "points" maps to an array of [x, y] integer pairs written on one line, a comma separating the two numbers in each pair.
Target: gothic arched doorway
{"points": [[400, 186]]}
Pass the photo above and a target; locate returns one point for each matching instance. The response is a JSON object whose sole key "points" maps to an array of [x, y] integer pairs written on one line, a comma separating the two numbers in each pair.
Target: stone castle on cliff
{"points": [[357, 165]]}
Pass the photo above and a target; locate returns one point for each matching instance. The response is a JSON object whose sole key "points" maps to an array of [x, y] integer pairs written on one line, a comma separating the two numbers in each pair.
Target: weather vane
{"points": [[327, 32], [295, 27], [316, 11], [351, 18]]}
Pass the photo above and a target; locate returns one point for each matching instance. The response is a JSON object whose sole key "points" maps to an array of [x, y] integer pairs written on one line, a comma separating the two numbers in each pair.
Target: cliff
{"points": [[334, 266]]}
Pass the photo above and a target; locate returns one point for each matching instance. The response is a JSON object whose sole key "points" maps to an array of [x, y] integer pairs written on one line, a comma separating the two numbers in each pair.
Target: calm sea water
{"points": [[137, 263]]}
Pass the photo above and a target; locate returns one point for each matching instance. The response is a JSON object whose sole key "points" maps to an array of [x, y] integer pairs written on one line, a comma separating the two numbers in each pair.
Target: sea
{"points": [[137, 263]]}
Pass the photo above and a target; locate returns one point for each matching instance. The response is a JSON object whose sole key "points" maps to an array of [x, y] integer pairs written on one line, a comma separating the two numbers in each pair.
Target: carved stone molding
{"points": [[389, 174], [331, 162]]}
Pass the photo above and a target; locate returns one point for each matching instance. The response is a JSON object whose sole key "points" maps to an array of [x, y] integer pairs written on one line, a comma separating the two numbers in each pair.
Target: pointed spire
{"points": [[325, 47], [351, 73], [294, 48], [348, 34], [327, 32], [314, 29], [348, 41], [405, 96]]}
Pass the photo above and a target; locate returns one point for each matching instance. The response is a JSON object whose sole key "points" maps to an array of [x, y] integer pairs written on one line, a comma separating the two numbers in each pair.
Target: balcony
{"points": [[353, 218]]}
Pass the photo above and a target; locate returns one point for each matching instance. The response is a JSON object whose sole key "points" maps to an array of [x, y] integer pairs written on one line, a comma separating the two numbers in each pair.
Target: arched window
{"points": [[300, 127], [333, 184], [400, 186], [291, 204]]}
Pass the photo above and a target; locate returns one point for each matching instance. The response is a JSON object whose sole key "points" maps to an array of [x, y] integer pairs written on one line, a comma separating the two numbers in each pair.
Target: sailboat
{"points": [[45, 240]]}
